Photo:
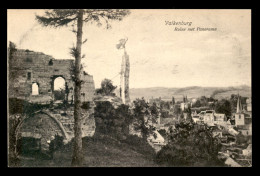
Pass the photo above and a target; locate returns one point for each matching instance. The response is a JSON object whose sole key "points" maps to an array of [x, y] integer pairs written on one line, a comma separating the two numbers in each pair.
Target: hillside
{"points": [[100, 152], [191, 92]]}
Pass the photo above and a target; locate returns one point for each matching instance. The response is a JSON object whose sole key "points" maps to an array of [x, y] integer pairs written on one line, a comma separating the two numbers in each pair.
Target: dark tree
{"points": [[223, 106], [65, 17], [111, 121], [107, 88], [143, 114], [197, 104], [173, 101], [190, 145], [177, 110]]}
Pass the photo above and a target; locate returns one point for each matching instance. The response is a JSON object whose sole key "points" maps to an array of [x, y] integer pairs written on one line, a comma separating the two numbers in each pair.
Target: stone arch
{"points": [[47, 114], [53, 78], [64, 95]]}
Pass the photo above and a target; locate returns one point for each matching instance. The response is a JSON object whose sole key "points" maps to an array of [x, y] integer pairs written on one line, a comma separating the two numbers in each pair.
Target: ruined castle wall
{"points": [[27, 67], [42, 125], [88, 88]]}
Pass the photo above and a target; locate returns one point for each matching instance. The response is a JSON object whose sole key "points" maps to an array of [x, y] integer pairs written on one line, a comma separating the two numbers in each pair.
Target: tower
{"points": [[125, 70], [239, 116], [239, 106]]}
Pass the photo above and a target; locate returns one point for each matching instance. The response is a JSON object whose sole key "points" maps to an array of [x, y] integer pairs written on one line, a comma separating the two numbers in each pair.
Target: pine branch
{"points": [[57, 17]]}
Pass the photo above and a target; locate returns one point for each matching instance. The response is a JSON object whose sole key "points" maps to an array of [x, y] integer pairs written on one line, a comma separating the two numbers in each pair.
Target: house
{"points": [[217, 132], [219, 117], [156, 138], [232, 131], [246, 130], [248, 150], [230, 162], [208, 118], [196, 118]]}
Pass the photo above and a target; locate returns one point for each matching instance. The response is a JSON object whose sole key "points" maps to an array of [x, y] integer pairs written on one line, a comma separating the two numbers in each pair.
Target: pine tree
{"points": [[65, 17]]}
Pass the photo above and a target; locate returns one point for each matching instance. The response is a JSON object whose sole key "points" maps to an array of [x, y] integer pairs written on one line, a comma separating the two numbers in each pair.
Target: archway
{"points": [[37, 130], [35, 89], [59, 83], [59, 88]]}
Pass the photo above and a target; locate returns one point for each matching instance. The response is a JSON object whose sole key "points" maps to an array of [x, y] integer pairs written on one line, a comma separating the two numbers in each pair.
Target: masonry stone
{"points": [[28, 67]]}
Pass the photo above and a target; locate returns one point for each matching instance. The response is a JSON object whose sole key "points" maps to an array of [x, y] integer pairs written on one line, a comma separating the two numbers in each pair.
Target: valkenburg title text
{"points": [[181, 26]]}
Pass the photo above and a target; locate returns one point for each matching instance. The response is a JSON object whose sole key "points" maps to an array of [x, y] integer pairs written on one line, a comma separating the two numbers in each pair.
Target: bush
{"points": [[111, 121], [56, 144], [190, 145], [18, 106], [59, 94]]}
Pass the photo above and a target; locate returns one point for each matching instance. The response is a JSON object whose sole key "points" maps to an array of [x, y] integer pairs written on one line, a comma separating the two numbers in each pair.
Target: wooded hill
{"points": [[191, 92]]}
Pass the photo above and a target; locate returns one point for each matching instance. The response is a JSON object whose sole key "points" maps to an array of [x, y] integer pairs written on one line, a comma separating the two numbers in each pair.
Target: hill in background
{"points": [[191, 92]]}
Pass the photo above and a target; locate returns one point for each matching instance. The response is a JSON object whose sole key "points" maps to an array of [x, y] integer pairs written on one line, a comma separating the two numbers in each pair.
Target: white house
{"points": [[156, 140], [248, 150]]}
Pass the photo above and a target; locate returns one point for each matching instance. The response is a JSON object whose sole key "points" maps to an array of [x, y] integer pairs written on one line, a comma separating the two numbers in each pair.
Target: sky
{"points": [[159, 55]]}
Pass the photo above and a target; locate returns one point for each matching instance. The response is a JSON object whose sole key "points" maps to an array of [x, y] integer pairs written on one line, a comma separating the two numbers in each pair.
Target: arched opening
{"points": [[59, 88], [35, 133], [35, 89]]}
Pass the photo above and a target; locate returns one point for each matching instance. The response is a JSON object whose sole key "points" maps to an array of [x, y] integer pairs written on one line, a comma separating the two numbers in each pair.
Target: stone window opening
{"points": [[29, 75], [28, 59], [35, 89], [50, 62]]}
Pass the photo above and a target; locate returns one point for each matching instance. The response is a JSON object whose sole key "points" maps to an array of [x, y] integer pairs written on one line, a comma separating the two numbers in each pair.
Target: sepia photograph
{"points": [[129, 88]]}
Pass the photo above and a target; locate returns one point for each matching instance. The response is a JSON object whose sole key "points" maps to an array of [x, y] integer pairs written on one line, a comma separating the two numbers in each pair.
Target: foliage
{"points": [[59, 94], [111, 121], [11, 50], [223, 106], [241, 139], [24, 107], [107, 88], [197, 104], [173, 101], [56, 143], [13, 123], [176, 109], [190, 145], [144, 115], [63, 17]]}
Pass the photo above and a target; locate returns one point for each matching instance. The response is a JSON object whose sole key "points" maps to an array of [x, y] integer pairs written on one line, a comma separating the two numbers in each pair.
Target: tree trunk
{"points": [[77, 157]]}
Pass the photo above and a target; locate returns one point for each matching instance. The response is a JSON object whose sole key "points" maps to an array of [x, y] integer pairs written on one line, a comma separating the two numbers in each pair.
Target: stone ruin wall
{"points": [[44, 74], [47, 123]]}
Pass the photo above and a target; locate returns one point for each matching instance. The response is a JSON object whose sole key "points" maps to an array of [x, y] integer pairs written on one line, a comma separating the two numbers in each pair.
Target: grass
{"points": [[101, 151]]}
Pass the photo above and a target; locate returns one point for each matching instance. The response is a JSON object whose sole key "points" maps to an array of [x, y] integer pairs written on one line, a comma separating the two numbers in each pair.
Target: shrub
{"points": [[190, 145]]}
